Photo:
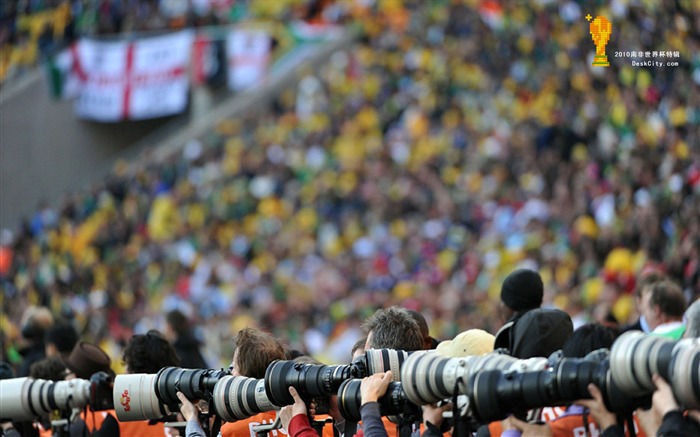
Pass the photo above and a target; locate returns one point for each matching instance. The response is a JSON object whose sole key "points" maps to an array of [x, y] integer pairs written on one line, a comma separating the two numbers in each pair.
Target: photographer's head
{"points": [[393, 328], [424, 330], [148, 353], [588, 338], [86, 359], [255, 350], [467, 343], [692, 320], [522, 290]]}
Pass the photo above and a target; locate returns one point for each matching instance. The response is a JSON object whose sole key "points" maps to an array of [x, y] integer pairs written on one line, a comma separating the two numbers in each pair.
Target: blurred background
{"points": [[379, 152]]}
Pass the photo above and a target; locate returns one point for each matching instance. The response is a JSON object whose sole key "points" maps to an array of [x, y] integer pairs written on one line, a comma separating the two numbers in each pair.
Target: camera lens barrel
{"points": [[238, 397], [310, 380], [135, 398], [350, 400], [28, 398], [383, 360]]}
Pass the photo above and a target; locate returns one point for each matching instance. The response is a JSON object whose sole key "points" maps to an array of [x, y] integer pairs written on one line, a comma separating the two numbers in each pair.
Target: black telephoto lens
{"points": [[392, 403], [310, 380]]}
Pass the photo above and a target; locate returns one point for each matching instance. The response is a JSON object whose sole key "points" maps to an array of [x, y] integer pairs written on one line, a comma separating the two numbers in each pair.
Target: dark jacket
{"points": [[187, 349]]}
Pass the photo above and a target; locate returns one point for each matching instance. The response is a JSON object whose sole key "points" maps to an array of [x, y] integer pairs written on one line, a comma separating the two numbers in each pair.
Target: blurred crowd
{"points": [[32, 30], [454, 142]]}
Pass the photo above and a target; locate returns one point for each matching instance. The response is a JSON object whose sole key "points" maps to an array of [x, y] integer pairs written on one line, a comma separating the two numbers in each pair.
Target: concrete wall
{"points": [[45, 151]]}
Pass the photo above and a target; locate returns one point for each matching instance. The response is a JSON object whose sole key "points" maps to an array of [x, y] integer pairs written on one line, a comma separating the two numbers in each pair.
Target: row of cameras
{"points": [[491, 387]]}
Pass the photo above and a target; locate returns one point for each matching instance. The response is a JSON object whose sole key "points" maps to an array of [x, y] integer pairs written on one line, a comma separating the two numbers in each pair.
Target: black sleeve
{"points": [[613, 431], [431, 431], [674, 424], [109, 428], [483, 431], [372, 425]]}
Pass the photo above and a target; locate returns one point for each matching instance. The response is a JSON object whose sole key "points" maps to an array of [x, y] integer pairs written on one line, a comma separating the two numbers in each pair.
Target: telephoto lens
{"points": [[310, 380], [239, 397], [350, 400], [144, 396], [635, 357], [428, 377], [193, 383], [28, 398], [135, 398]]}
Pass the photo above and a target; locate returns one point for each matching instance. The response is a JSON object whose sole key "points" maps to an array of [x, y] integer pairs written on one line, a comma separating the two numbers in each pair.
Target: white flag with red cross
{"points": [[133, 80]]}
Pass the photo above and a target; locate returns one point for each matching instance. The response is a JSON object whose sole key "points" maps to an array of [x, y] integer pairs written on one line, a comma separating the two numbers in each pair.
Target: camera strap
{"points": [[457, 419], [350, 428], [216, 426]]}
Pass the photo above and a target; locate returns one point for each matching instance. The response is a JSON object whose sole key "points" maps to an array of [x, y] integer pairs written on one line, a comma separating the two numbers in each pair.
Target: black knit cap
{"points": [[522, 290]]}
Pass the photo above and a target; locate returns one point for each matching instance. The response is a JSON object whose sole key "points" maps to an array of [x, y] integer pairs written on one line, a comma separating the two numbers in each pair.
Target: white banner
{"points": [[133, 80], [248, 54]]}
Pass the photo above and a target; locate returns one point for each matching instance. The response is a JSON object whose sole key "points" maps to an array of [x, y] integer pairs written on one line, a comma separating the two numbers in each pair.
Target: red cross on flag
{"points": [[133, 80]]}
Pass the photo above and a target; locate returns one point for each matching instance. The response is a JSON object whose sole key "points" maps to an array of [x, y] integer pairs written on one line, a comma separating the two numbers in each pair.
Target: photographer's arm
{"points": [[8, 430], [372, 388], [294, 417], [191, 414]]}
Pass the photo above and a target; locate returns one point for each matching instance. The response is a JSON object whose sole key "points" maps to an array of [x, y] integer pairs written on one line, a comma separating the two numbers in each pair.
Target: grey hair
{"points": [[692, 317]]}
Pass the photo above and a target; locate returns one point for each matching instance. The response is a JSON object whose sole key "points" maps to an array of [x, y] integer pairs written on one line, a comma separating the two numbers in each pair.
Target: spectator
{"points": [[61, 338], [643, 286], [185, 343], [664, 307], [36, 321]]}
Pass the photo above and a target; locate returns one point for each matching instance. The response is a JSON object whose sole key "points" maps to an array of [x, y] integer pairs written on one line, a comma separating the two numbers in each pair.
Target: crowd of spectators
{"points": [[32, 30], [455, 142]]}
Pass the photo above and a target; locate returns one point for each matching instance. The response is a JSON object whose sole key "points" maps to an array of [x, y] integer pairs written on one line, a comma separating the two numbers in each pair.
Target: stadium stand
{"points": [[455, 142]]}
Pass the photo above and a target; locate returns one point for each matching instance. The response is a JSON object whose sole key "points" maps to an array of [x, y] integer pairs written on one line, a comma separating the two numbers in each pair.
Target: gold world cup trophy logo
{"points": [[600, 29]]}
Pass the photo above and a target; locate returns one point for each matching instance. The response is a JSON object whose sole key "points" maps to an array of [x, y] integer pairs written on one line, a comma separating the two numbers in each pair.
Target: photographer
{"points": [[574, 419], [666, 417], [147, 353], [254, 351], [392, 328], [295, 420], [85, 360]]}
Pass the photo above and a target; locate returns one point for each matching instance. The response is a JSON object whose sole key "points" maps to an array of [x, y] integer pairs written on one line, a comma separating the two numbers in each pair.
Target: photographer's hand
{"points": [[188, 409], [596, 407], [373, 387], [663, 400], [288, 412], [433, 414]]}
